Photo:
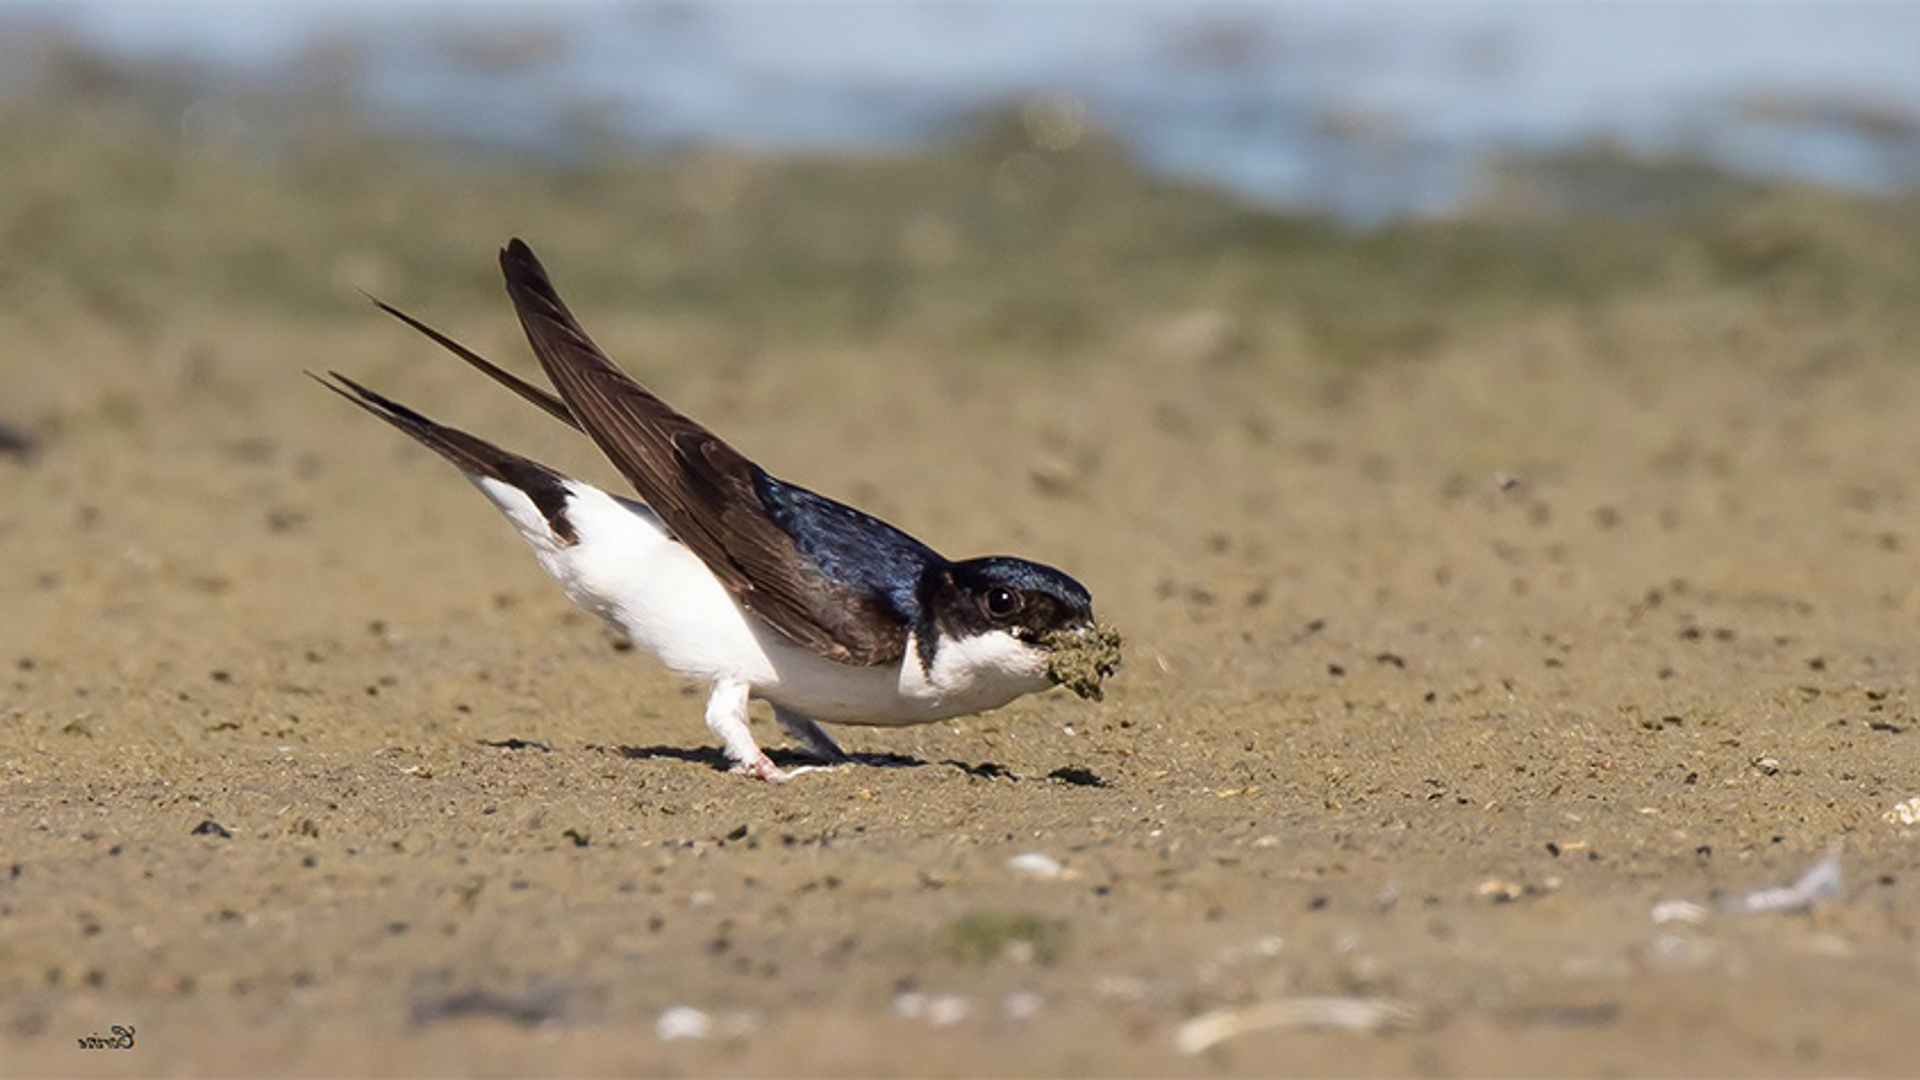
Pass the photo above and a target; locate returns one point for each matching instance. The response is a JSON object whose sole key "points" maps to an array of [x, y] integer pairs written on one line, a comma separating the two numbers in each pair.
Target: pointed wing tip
{"points": [[372, 401], [343, 386], [517, 251], [527, 279], [331, 380], [381, 304]]}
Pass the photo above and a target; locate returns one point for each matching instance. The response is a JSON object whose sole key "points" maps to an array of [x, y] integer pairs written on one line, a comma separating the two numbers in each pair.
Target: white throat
{"points": [[970, 674]]}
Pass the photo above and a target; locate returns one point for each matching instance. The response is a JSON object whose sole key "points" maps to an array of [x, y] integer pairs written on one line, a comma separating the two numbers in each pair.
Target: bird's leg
{"points": [[816, 742], [727, 718]]}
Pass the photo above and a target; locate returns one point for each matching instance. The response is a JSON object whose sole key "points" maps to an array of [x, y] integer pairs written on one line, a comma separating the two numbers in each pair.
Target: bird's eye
{"points": [[1002, 602]]}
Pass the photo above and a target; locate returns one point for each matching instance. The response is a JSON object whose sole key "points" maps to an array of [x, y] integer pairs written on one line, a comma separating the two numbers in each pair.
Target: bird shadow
{"points": [[713, 758], [703, 755]]}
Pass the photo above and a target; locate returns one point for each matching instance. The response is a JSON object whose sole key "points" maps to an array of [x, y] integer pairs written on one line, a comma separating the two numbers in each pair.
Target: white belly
{"points": [[626, 568]]}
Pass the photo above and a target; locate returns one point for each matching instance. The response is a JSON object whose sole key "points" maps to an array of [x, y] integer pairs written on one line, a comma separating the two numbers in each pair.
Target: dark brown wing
{"points": [[707, 492]]}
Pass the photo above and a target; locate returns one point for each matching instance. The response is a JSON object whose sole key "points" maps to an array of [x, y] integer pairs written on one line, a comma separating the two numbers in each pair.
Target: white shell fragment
{"points": [[684, 1022], [940, 1010], [1820, 883], [1021, 1005], [1036, 864], [1682, 911], [1333, 1013], [1904, 813]]}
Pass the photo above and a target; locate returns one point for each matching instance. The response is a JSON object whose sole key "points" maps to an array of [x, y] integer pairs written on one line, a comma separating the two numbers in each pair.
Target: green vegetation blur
{"points": [[132, 193]]}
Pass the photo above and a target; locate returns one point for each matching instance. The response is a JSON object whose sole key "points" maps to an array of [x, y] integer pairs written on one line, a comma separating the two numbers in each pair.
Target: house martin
{"points": [[756, 586]]}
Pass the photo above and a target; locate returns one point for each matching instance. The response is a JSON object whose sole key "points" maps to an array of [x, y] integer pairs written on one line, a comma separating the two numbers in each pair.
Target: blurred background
{"points": [[1019, 170], [743, 145], [1367, 111], [1358, 114]]}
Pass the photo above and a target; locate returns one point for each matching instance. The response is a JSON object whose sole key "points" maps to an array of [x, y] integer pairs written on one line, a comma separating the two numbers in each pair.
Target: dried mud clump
{"points": [[1081, 659]]}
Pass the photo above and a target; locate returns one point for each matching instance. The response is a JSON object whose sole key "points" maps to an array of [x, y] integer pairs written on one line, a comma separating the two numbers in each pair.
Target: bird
{"points": [[758, 587]]}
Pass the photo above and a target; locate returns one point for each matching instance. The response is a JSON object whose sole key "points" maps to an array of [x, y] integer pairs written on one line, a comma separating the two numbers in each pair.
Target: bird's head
{"points": [[1028, 616]]}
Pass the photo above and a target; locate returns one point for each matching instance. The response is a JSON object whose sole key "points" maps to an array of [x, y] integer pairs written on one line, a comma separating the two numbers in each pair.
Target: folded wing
{"points": [[709, 494]]}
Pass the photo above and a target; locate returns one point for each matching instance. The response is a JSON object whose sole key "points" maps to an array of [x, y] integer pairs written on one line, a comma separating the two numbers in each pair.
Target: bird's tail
{"points": [[472, 455]]}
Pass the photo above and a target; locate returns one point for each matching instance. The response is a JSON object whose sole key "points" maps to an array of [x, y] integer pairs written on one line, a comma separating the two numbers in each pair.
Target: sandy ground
{"points": [[1441, 676]]}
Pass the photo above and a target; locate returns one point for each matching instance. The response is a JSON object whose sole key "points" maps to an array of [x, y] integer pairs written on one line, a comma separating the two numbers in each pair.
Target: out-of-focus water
{"points": [[1371, 110]]}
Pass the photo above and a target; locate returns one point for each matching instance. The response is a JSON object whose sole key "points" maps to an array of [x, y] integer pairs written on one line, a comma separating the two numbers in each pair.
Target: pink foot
{"points": [[763, 768]]}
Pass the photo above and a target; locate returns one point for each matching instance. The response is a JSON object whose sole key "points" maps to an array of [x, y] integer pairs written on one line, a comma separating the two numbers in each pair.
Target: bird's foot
{"points": [[761, 767]]}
